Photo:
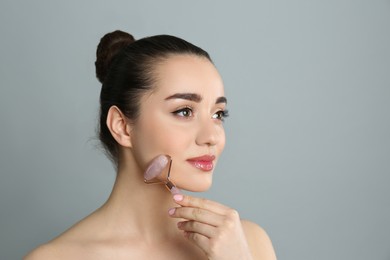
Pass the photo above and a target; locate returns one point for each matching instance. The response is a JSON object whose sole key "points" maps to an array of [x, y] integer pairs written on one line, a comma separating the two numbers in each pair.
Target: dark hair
{"points": [[125, 68]]}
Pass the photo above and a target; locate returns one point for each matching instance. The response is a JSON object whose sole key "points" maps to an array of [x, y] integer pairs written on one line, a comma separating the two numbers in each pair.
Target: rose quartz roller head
{"points": [[159, 171]]}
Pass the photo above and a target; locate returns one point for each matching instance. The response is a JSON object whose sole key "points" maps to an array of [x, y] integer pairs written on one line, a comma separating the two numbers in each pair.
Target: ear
{"points": [[118, 126]]}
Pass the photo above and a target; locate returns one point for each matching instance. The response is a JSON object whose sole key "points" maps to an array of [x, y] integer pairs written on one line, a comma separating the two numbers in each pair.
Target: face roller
{"points": [[158, 172]]}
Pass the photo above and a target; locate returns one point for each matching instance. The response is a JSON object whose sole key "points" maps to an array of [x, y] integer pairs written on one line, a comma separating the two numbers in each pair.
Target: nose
{"points": [[209, 133]]}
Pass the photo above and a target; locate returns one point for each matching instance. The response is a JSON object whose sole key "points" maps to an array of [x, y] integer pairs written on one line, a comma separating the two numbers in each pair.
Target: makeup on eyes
{"points": [[223, 114], [188, 111]]}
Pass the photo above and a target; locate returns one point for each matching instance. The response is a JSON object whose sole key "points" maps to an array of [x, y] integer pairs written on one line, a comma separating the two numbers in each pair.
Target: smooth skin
{"points": [[141, 221]]}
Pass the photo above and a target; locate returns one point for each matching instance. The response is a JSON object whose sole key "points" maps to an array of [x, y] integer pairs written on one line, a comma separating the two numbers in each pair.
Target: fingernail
{"points": [[178, 197], [171, 211], [175, 190]]}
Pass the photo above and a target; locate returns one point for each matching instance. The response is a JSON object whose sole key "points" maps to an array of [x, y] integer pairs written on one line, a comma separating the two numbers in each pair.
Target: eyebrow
{"points": [[221, 100], [194, 97]]}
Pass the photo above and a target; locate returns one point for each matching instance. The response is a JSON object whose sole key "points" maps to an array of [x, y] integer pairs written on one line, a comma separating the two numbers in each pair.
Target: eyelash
{"points": [[222, 114], [181, 110]]}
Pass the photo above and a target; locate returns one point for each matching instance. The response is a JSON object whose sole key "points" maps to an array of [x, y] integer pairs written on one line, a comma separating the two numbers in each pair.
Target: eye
{"points": [[221, 115], [184, 112]]}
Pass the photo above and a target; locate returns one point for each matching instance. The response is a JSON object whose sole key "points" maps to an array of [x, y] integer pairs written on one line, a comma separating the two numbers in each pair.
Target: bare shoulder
{"points": [[65, 246], [45, 251], [259, 242]]}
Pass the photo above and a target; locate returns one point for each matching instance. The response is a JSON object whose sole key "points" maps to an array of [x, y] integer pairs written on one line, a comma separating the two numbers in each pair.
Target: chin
{"points": [[196, 186]]}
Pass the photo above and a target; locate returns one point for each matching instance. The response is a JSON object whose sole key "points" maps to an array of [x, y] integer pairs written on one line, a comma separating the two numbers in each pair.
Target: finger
{"points": [[185, 200], [174, 190], [201, 241], [197, 214], [197, 227]]}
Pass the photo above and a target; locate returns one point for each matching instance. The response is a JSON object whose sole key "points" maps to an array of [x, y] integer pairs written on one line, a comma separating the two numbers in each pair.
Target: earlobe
{"points": [[118, 126]]}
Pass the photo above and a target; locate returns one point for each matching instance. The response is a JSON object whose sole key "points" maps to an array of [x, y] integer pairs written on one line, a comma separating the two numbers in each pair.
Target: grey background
{"points": [[308, 146]]}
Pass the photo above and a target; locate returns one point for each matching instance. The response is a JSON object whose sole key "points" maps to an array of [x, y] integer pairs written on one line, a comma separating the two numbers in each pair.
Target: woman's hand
{"points": [[215, 228]]}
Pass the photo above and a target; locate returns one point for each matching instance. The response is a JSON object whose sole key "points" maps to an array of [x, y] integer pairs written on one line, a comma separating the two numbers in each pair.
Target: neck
{"points": [[138, 209]]}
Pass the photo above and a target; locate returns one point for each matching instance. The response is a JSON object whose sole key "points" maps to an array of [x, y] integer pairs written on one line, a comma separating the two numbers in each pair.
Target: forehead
{"points": [[188, 74]]}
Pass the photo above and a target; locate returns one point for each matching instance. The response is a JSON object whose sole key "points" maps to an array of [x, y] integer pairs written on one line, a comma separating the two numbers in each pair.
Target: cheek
{"points": [[222, 142], [155, 137]]}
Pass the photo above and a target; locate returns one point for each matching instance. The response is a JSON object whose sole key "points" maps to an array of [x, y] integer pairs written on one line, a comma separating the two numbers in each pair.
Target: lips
{"points": [[204, 163]]}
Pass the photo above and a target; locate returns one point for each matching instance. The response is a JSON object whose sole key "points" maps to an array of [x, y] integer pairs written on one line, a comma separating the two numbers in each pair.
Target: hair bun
{"points": [[108, 47]]}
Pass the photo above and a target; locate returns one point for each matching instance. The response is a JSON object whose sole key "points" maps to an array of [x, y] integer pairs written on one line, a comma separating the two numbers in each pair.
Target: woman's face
{"points": [[183, 117]]}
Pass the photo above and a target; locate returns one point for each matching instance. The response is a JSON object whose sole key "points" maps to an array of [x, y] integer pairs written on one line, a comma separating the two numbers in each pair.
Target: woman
{"points": [[160, 95]]}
